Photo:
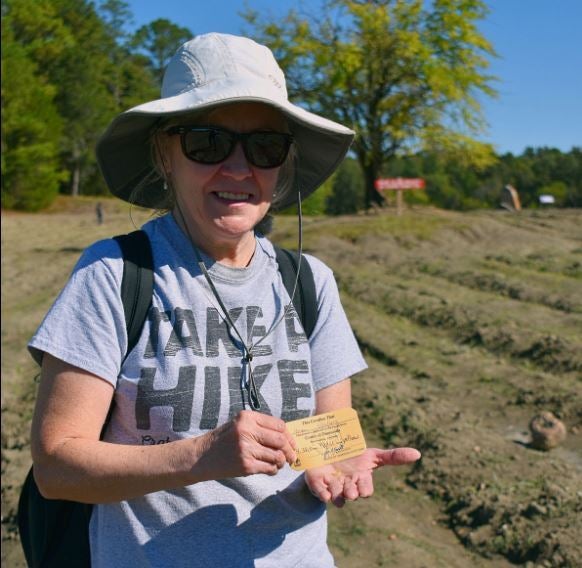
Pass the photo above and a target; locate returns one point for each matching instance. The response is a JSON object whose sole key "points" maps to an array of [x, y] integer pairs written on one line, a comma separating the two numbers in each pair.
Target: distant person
{"points": [[99, 213], [193, 467]]}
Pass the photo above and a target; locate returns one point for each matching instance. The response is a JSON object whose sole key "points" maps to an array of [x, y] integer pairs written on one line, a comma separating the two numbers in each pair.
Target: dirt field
{"points": [[471, 324]]}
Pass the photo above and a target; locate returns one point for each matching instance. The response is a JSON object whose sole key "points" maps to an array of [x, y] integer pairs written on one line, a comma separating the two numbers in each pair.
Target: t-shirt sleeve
{"points": [[335, 354], [85, 327]]}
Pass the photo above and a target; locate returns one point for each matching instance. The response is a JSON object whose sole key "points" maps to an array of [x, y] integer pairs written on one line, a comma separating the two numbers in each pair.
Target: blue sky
{"points": [[539, 43]]}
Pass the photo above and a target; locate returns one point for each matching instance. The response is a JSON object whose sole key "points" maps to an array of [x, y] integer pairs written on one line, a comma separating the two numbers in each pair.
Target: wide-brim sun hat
{"points": [[206, 72]]}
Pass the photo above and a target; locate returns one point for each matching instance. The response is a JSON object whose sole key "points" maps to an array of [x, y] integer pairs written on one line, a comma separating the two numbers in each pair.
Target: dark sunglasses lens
{"points": [[267, 149], [207, 146]]}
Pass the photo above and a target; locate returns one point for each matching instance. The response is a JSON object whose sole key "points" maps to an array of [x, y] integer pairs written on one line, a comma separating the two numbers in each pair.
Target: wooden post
{"points": [[399, 202]]}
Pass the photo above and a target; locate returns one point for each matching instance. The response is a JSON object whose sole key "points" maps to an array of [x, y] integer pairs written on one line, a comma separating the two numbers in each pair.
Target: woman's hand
{"points": [[351, 479], [250, 443]]}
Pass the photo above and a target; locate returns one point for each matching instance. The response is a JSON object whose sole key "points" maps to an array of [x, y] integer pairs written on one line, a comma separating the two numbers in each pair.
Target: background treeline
{"points": [[452, 185], [69, 66]]}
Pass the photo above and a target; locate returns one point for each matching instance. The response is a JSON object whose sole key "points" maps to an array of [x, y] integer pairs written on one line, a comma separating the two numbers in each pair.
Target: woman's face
{"points": [[223, 202]]}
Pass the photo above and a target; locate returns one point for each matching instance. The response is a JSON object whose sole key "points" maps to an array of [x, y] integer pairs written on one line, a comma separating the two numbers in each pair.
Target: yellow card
{"points": [[327, 438]]}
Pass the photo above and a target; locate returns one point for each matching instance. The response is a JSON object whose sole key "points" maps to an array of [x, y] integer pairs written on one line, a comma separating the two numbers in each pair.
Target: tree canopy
{"points": [[31, 130], [159, 40], [404, 74], [68, 67]]}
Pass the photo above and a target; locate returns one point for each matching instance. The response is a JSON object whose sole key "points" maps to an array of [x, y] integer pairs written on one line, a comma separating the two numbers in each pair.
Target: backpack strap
{"points": [[55, 532], [137, 284], [305, 299]]}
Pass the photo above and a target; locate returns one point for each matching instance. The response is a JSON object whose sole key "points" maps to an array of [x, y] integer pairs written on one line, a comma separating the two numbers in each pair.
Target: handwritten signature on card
{"points": [[327, 438]]}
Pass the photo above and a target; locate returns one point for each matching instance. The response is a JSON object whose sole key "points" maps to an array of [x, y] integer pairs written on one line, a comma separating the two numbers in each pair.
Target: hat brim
{"points": [[125, 158]]}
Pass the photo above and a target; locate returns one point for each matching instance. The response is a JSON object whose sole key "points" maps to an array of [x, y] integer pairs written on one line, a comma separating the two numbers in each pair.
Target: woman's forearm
{"points": [[98, 472]]}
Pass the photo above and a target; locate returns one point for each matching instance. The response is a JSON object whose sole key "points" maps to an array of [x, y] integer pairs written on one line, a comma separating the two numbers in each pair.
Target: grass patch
{"points": [[382, 226]]}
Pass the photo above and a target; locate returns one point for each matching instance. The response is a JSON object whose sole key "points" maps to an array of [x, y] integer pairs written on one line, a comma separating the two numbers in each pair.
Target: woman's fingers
{"points": [[351, 491], [335, 485], [365, 486], [266, 432], [267, 455], [396, 456], [276, 440], [352, 479], [318, 488]]}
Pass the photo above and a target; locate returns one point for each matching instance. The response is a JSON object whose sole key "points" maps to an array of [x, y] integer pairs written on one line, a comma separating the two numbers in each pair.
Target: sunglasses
{"points": [[212, 145]]}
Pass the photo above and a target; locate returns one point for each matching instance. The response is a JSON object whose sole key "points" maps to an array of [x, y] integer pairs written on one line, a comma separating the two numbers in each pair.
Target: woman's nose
{"points": [[237, 165]]}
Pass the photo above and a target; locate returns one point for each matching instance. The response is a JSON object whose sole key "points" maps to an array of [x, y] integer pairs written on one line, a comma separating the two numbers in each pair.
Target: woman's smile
{"points": [[233, 197], [221, 203]]}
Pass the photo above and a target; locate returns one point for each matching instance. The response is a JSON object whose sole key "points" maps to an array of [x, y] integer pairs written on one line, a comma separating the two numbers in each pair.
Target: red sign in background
{"points": [[399, 183]]}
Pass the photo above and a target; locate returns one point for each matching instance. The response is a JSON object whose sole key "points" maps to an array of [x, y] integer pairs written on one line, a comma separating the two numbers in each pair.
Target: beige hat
{"points": [[208, 71]]}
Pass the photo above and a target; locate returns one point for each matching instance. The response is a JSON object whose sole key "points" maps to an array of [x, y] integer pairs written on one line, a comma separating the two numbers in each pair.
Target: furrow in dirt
{"points": [[498, 495], [501, 327], [492, 281]]}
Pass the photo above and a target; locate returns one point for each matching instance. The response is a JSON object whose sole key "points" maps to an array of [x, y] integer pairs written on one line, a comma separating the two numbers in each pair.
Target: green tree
{"points": [[313, 205], [69, 44], [116, 16], [519, 173], [403, 74], [68, 68], [159, 40], [31, 125], [348, 189], [131, 81], [442, 192], [88, 106], [572, 176], [558, 190]]}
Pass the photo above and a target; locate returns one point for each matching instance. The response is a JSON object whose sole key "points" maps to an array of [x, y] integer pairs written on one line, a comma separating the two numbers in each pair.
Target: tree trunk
{"points": [[373, 196], [76, 177], [75, 180]]}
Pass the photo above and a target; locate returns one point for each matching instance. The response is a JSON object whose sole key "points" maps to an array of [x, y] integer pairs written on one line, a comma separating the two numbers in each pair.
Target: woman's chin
{"points": [[234, 226], [233, 229]]}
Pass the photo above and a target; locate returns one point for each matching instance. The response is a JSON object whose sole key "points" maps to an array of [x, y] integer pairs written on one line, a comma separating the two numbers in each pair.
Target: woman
{"points": [[192, 469]]}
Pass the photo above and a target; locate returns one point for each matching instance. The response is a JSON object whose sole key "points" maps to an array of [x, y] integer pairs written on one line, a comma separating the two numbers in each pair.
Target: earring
{"points": [[165, 186]]}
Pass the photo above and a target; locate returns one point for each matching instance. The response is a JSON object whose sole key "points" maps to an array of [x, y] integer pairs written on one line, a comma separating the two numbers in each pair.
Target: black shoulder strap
{"points": [[55, 532], [137, 284], [305, 300]]}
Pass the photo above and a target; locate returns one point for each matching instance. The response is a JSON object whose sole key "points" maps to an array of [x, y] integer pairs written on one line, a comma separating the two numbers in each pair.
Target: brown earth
{"points": [[471, 324]]}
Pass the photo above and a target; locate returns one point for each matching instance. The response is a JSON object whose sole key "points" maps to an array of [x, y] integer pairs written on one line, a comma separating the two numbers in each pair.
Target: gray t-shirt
{"points": [[186, 376]]}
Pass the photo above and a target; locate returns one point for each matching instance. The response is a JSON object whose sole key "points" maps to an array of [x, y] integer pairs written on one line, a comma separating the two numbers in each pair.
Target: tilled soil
{"points": [[471, 324]]}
